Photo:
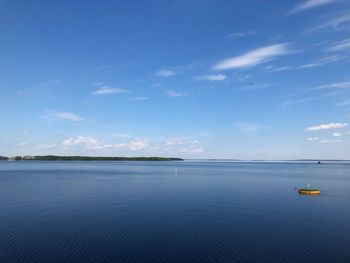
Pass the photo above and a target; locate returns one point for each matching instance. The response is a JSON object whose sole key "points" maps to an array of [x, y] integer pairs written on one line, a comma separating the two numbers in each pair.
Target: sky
{"points": [[194, 79]]}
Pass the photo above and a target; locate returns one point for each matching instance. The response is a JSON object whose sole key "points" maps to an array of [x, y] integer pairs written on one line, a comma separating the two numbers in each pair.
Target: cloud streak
{"points": [[254, 57], [165, 73], [345, 103], [323, 61], [106, 90], [338, 23], [62, 115], [217, 77], [88, 142], [173, 93], [337, 85], [331, 141], [329, 126], [340, 46], [94, 144], [310, 4], [242, 34]]}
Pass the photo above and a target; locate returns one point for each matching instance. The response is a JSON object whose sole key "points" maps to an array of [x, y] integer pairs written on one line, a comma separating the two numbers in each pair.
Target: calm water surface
{"points": [[145, 212]]}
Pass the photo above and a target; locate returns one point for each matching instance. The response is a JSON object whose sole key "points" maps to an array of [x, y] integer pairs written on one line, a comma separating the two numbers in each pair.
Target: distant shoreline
{"points": [[85, 158]]}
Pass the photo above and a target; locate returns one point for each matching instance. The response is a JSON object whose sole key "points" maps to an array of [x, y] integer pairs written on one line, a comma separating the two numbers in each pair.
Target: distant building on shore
{"points": [[20, 158], [28, 157]]}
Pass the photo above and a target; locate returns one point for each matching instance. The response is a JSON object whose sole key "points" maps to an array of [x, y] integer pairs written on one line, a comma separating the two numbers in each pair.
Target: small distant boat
{"points": [[305, 191], [318, 162]]}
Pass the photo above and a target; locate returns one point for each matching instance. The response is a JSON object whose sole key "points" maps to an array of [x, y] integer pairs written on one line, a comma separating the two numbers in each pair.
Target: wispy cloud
{"points": [[165, 73], [62, 115], [320, 62], [323, 61], [336, 134], [138, 144], [254, 57], [89, 142], [310, 4], [106, 90], [331, 141], [337, 85], [47, 146], [242, 34], [329, 126], [216, 77], [338, 23], [345, 103], [40, 86], [279, 69], [185, 146], [253, 86], [287, 103], [94, 144], [339, 46], [173, 93], [248, 127], [312, 139], [123, 135], [140, 98]]}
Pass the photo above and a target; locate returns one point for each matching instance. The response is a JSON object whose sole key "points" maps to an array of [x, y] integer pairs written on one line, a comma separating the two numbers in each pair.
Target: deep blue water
{"points": [[144, 212]]}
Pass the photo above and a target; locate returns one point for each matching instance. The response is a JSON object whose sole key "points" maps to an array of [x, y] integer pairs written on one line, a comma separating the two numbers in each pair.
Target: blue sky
{"points": [[186, 78]]}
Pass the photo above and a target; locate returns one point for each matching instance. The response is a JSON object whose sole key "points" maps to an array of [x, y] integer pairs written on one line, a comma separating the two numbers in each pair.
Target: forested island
{"points": [[84, 158]]}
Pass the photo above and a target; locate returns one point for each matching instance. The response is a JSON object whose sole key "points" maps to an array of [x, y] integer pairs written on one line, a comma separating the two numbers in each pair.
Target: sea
{"points": [[186, 211]]}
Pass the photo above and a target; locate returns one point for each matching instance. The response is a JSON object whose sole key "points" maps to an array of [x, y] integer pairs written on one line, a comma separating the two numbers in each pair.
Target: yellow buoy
{"points": [[309, 192]]}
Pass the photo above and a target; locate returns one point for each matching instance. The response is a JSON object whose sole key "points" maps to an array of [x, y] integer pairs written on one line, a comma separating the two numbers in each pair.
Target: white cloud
{"points": [[184, 146], [94, 144], [338, 23], [63, 115], [336, 134], [254, 57], [311, 139], [48, 145], [41, 86], [123, 135], [308, 99], [248, 127], [192, 150], [180, 142], [298, 101], [205, 134], [242, 34], [165, 73], [331, 141], [338, 85], [88, 142], [138, 144], [253, 86], [278, 69], [173, 93], [140, 98], [23, 144], [339, 46], [217, 77], [309, 4], [156, 147], [105, 90], [345, 103], [328, 126], [134, 145], [323, 61]]}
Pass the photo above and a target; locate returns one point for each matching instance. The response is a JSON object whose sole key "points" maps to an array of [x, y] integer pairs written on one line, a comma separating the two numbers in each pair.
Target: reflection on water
{"points": [[148, 212]]}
